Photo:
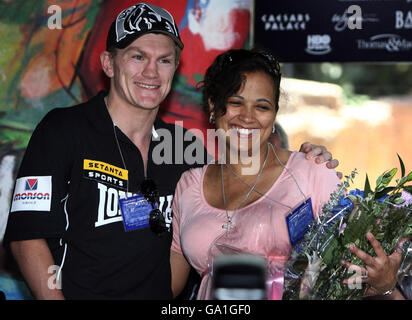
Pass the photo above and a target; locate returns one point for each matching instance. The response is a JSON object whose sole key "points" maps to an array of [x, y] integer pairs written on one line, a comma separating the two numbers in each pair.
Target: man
{"points": [[69, 233]]}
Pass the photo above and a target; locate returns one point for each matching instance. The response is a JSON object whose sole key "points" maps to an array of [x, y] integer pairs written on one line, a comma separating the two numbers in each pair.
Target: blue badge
{"points": [[298, 221], [135, 212]]}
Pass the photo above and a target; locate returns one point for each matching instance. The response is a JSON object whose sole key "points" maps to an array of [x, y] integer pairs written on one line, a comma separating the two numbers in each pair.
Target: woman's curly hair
{"points": [[227, 74]]}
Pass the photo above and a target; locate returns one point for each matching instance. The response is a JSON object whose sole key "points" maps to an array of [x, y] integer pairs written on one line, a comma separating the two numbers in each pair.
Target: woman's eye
{"points": [[263, 107], [234, 102]]}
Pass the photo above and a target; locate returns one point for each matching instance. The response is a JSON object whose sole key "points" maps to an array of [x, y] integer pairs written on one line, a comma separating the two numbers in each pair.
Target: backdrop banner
{"points": [[335, 30]]}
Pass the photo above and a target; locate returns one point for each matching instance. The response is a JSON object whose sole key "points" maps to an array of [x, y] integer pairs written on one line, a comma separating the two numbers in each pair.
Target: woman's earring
{"points": [[274, 128], [211, 119]]}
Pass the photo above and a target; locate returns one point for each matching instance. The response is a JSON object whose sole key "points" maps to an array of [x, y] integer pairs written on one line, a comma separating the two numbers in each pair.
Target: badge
{"points": [[298, 221], [32, 194], [135, 212]]}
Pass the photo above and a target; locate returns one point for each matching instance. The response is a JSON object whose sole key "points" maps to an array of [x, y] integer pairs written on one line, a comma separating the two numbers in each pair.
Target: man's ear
{"points": [[106, 60]]}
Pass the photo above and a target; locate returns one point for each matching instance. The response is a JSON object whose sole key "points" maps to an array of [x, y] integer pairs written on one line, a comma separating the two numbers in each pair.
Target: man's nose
{"points": [[150, 69]]}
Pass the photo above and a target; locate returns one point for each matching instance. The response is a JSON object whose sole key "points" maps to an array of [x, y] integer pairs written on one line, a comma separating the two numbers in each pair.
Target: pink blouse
{"points": [[260, 227]]}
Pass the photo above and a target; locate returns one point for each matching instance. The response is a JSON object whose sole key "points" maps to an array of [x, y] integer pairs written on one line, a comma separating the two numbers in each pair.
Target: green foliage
{"points": [[329, 238], [20, 139], [91, 15], [20, 11]]}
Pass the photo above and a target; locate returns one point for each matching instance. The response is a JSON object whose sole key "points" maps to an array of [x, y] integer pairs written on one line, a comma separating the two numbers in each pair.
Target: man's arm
{"points": [[34, 259]]}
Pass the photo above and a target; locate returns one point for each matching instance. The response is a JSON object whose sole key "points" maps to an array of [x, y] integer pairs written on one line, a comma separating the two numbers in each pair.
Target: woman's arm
{"points": [[180, 272]]}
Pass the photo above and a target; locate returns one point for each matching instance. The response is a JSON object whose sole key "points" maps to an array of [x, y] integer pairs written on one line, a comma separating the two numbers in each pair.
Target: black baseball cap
{"points": [[138, 20]]}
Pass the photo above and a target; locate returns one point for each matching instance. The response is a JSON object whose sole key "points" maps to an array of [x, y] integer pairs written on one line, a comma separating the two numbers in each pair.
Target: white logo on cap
{"points": [[128, 22]]}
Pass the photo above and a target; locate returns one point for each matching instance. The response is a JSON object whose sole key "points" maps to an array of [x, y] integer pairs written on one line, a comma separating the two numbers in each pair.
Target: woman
{"points": [[228, 207]]}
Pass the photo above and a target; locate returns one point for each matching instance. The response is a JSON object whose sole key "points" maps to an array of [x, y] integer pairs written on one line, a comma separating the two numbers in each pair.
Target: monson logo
{"points": [[31, 184], [32, 194]]}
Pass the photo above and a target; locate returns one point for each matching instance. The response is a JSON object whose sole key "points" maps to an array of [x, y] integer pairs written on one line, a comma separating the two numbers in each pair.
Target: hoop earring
{"points": [[211, 119], [274, 128]]}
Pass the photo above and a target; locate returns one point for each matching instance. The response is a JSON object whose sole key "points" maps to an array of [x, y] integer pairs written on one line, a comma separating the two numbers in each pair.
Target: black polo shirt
{"points": [[67, 192]]}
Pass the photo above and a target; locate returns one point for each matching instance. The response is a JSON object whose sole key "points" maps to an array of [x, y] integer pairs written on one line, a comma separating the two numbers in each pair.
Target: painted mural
{"points": [[49, 57]]}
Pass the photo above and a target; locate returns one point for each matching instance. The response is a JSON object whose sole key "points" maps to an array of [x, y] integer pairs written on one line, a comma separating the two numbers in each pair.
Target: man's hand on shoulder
{"points": [[321, 155]]}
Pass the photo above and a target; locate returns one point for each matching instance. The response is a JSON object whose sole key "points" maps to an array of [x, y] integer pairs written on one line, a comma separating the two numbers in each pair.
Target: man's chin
{"points": [[147, 104]]}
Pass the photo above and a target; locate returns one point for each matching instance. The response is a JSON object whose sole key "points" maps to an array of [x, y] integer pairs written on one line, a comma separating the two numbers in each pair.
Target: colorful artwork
{"points": [[49, 57]]}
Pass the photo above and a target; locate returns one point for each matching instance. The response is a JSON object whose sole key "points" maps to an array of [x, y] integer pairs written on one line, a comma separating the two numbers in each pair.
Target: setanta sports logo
{"points": [[105, 173], [32, 194]]}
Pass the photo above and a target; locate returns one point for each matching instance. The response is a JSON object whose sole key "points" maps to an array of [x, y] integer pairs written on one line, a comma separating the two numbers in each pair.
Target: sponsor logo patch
{"points": [[32, 194], [318, 44], [31, 184], [105, 173]]}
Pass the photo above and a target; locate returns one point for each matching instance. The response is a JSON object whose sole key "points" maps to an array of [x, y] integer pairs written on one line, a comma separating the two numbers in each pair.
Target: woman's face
{"points": [[250, 113]]}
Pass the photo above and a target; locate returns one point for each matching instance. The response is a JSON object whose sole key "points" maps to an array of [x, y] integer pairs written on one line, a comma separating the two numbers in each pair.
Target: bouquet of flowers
{"points": [[314, 270]]}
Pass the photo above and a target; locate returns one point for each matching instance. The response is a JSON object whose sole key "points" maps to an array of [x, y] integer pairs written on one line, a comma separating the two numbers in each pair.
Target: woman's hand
{"points": [[379, 272]]}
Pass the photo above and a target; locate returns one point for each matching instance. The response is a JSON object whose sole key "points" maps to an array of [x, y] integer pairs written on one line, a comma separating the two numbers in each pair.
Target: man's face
{"points": [[143, 72]]}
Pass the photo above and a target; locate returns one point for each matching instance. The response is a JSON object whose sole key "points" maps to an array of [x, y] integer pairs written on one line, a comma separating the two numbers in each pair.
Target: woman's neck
{"points": [[247, 165]]}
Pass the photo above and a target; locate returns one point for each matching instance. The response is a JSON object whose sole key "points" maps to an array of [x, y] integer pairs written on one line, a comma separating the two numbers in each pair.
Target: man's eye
{"points": [[138, 57], [165, 61]]}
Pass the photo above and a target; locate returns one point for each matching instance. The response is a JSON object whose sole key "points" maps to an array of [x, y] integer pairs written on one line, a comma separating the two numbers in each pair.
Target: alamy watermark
{"points": [[55, 280], [355, 281], [55, 19], [244, 147], [355, 20]]}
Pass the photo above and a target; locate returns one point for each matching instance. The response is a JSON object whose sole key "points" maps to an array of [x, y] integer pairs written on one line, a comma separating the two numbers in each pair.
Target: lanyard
{"points": [[118, 147], [264, 195]]}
